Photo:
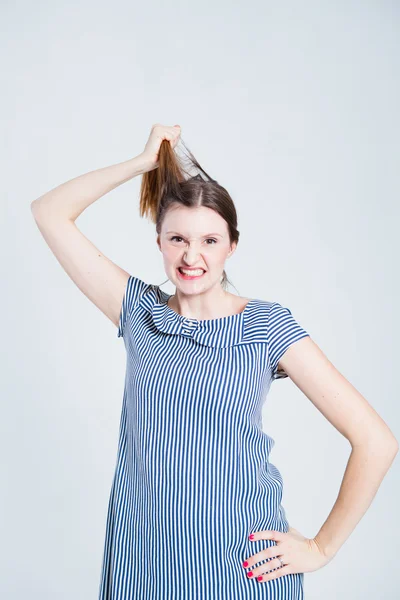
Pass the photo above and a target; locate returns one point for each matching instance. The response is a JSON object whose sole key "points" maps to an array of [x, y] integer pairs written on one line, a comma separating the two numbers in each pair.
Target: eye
{"points": [[177, 237]]}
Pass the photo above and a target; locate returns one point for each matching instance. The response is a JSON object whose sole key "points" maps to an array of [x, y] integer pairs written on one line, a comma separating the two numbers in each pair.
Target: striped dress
{"points": [[193, 477]]}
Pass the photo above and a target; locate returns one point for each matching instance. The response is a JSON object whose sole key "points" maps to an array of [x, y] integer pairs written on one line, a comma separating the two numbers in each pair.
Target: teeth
{"points": [[192, 272]]}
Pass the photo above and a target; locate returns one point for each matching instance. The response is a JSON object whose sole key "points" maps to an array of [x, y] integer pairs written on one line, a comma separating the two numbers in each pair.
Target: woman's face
{"points": [[194, 238]]}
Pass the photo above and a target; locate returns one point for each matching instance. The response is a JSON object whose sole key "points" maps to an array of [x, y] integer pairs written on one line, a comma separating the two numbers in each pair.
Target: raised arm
{"points": [[101, 280]]}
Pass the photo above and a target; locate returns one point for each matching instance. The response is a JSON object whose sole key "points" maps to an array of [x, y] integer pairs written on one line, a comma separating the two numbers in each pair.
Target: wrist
{"points": [[324, 546], [131, 168], [141, 164]]}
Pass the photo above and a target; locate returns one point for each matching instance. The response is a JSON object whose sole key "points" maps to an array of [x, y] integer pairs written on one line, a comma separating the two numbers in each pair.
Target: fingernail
{"points": [[259, 578], [250, 574], [245, 564], [251, 536]]}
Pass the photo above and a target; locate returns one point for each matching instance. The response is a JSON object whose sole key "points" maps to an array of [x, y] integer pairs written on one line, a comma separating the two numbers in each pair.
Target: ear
{"points": [[233, 248], [158, 242]]}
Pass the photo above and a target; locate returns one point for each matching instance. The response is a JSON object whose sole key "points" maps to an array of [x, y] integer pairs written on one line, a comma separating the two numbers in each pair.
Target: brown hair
{"points": [[171, 183]]}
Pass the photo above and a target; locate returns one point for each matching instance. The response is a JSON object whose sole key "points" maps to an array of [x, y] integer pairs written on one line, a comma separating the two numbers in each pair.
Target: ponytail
{"points": [[165, 180]]}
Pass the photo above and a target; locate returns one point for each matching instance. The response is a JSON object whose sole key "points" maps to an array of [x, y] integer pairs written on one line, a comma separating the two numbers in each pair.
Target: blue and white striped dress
{"points": [[193, 477]]}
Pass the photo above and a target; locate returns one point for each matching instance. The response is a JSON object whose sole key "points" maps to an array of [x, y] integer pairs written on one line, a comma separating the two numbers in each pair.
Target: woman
{"points": [[195, 506]]}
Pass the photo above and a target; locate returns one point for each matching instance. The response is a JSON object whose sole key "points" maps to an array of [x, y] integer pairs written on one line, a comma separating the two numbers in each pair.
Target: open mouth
{"points": [[190, 274]]}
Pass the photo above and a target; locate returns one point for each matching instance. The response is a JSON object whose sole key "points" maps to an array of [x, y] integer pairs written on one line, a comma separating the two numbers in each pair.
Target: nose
{"points": [[190, 257]]}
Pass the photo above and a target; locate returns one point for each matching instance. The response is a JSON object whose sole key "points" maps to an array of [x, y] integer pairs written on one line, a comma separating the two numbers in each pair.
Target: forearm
{"points": [[366, 468], [70, 199]]}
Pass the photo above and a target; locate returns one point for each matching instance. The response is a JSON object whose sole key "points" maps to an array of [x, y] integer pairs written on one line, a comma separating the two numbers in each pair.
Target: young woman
{"points": [[195, 506]]}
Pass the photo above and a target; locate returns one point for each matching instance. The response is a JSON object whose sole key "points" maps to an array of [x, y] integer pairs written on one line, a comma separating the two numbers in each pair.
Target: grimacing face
{"points": [[194, 238]]}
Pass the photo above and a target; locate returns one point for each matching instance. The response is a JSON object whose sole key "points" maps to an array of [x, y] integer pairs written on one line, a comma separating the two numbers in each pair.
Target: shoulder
{"points": [[256, 318], [269, 313], [136, 292], [261, 311], [270, 321]]}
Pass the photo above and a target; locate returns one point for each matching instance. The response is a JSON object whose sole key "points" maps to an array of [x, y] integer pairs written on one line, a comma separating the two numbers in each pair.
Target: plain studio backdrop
{"points": [[294, 108]]}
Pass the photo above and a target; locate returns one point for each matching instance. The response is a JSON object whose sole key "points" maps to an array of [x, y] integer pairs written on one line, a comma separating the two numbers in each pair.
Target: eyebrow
{"points": [[205, 235]]}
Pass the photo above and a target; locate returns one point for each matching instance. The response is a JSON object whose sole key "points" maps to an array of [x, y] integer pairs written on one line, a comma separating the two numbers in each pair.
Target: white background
{"points": [[294, 108]]}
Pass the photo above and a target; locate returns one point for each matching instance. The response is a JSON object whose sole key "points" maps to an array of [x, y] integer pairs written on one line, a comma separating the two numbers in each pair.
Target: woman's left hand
{"points": [[298, 553]]}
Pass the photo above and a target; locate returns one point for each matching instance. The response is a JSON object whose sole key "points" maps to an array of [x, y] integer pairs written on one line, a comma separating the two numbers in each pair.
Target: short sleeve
{"points": [[134, 288], [283, 331]]}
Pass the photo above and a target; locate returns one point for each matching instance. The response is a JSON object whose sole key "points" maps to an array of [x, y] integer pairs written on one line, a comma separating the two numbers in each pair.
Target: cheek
{"points": [[171, 255], [219, 256]]}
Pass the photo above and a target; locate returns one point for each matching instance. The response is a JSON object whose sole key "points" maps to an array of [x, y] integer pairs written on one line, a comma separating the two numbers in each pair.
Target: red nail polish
{"points": [[245, 564], [249, 574], [251, 536], [259, 578]]}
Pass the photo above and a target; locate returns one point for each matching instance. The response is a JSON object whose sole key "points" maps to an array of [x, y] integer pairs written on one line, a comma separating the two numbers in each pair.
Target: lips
{"points": [[189, 276]]}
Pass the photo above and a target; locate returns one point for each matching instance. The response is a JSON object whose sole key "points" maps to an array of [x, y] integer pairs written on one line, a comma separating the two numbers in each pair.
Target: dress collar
{"points": [[216, 333]]}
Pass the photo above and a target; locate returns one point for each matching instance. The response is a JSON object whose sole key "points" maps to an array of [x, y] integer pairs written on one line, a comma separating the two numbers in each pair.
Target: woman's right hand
{"points": [[157, 135]]}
